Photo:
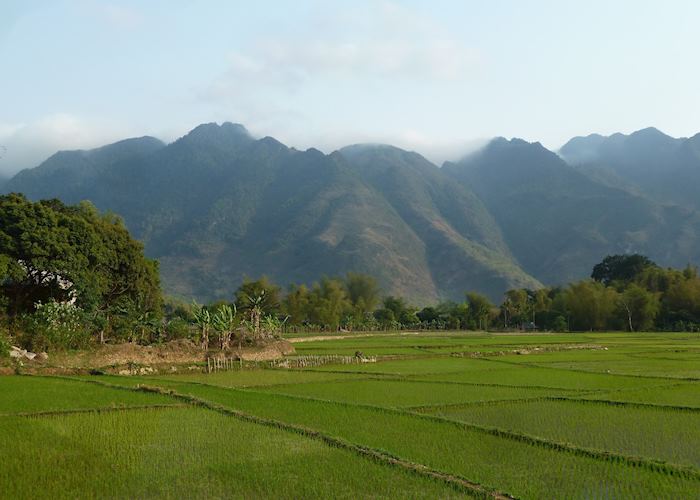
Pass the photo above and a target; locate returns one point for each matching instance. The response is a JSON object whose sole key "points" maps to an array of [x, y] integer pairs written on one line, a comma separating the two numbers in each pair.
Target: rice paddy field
{"points": [[437, 415]]}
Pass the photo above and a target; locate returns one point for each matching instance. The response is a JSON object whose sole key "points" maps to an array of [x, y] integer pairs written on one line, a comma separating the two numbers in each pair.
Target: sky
{"points": [[437, 77]]}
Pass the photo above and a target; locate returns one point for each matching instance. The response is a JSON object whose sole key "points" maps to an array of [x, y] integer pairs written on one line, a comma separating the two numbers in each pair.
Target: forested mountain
{"points": [[558, 222], [218, 204], [663, 168]]}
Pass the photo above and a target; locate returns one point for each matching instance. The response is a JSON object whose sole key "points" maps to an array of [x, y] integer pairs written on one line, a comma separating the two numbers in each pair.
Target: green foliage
{"points": [[396, 311], [624, 268], [363, 293], [480, 308], [261, 294], [224, 322], [4, 344], [590, 304], [55, 325], [641, 307], [53, 252]]}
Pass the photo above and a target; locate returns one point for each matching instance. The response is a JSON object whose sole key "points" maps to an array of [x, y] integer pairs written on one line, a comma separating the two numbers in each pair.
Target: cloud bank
{"points": [[25, 145]]}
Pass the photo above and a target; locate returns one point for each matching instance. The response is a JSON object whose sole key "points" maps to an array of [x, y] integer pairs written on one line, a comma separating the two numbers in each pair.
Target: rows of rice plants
{"points": [[397, 393], [260, 377], [37, 394], [679, 368], [421, 366], [514, 375], [186, 453], [682, 394], [520, 468], [552, 422], [655, 433]]}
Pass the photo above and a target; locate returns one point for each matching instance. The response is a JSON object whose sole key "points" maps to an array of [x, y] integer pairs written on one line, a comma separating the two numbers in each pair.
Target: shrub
{"points": [[55, 325], [4, 345]]}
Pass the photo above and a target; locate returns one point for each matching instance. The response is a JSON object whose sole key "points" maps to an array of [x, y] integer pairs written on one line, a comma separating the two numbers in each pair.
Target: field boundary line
{"points": [[492, 402], [653, 377], [102, 409], [636, 404], [605, 402], [438, 382]]}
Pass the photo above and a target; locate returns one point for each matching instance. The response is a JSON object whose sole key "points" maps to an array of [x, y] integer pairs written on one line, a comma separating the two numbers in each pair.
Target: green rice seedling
{"points": [[682, 394], [498, 460], [514, 375], [187, 453], [259, 377], [433, 365], [654, 433], [406, 393], [35, 394]]}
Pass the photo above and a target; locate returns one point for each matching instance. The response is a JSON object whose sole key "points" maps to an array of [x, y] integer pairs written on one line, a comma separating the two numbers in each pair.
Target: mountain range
{"points": [[218, 204]]}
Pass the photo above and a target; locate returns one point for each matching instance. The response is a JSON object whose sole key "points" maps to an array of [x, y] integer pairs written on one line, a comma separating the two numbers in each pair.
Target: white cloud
{"points": [[121, 16], [388, 41], [28, 144]]}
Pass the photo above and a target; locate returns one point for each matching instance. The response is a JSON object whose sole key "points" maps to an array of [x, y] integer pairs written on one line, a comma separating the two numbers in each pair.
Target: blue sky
{"points": [[439, 77]]}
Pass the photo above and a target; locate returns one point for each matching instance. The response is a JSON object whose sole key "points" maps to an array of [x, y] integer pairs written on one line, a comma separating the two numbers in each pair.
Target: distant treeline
{"points": [[70, 277], [625, 292]]}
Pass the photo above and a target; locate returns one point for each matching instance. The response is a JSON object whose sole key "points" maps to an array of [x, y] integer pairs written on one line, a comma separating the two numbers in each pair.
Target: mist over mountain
{"points": [[663, 168], [218, 204], [558, 222]]}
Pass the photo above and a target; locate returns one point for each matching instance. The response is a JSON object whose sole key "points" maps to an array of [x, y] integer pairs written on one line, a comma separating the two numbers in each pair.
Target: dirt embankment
{"points": [[176, 356]]}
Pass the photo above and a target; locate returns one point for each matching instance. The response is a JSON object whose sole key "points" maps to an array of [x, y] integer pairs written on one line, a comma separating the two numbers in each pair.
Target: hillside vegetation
{"points": [[218, 205]]}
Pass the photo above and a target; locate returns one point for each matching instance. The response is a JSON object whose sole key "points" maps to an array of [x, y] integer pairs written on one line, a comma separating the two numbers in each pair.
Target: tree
{"points": [[681, 301], [51, 251], [401, 311], [479, 309], [363, 293], [263, 287], [640, 307], [296, 304], [328, 303], [591, 306], [624, 268]]}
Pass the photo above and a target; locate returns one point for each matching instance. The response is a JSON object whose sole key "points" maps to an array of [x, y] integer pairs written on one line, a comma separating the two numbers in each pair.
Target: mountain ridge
{"points": [[218, 204]]}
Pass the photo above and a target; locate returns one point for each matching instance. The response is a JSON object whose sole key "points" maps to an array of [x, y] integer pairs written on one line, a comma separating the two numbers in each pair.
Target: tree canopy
{"points": [[72, 254]]}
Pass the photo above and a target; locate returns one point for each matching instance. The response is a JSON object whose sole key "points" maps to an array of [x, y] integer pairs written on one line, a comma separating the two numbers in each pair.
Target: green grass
{"points": [[655, 433], [187, 453]]}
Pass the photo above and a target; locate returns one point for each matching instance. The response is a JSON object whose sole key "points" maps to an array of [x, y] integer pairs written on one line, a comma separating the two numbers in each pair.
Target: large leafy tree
{"points": [[623, 268], [49, 250]]}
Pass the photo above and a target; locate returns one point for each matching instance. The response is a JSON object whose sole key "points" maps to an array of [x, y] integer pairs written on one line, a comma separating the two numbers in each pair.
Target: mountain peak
{"points": [[208, 133]]}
